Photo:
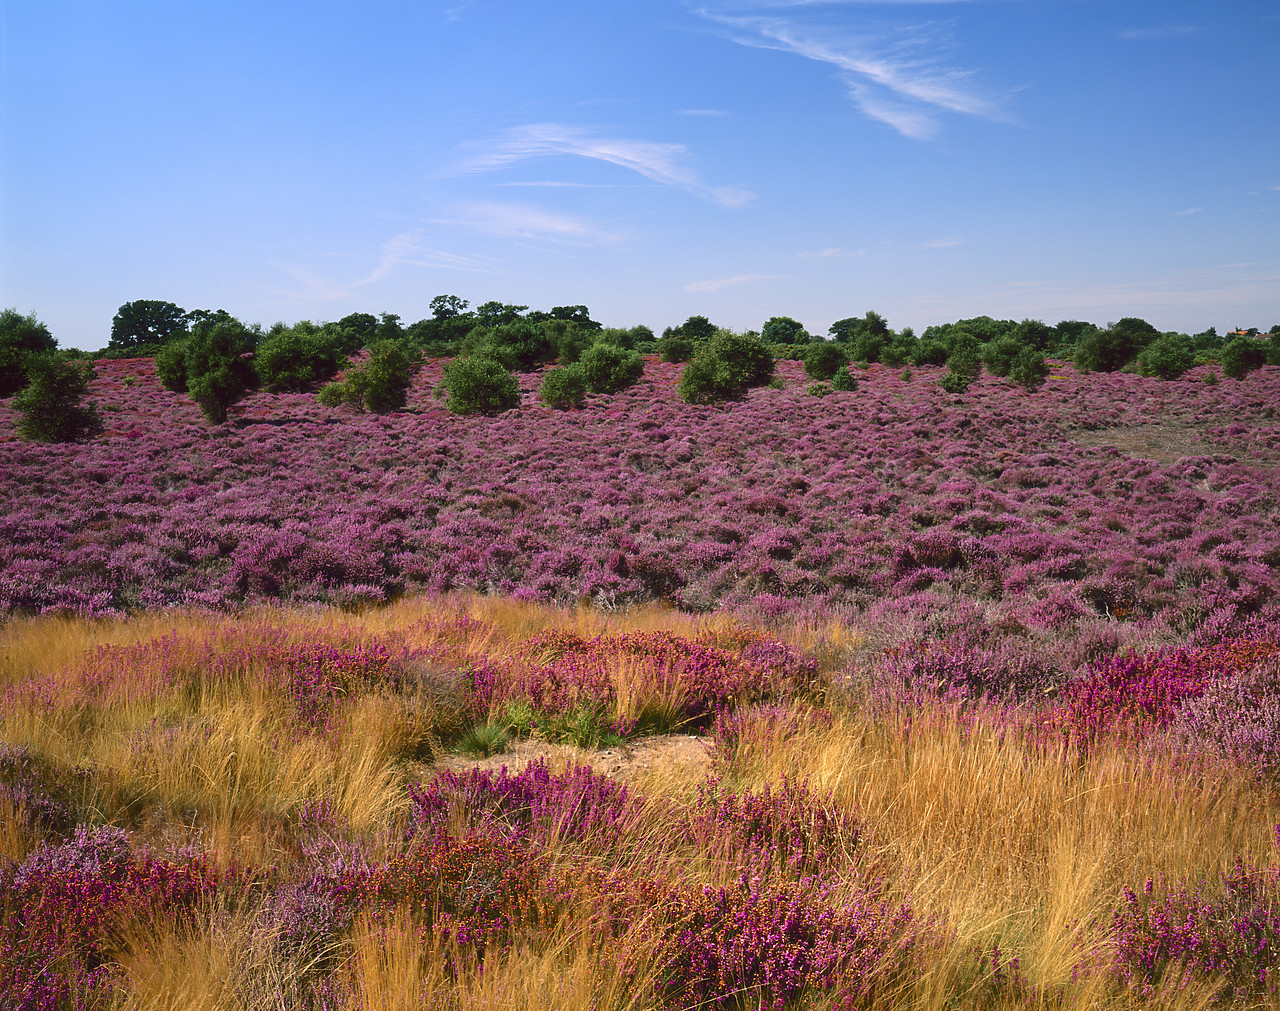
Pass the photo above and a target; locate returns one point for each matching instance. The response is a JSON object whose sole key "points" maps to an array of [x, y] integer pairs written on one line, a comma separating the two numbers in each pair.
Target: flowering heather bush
{"points": [[1139, 693], [1237, 717], [1227, 931], [33, 791], [765, 943], [614, 675], [786, 833], [65, 903], [578, 804], [641, 495]]}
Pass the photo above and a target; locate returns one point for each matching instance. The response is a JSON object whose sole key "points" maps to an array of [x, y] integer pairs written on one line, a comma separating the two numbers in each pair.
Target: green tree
{"points": [[1242, 356], [1029, 369], [725, 367], [823, 359], [696, 328], [609, 369], [784, 330], [20, 338], [143, 324], [294, 358], [480, 385], [521, 345], [216, 369], [1115, 347], [1167, 357], [51, 405], [380, 383], [998, 355], [564, 387], [498, 313]]}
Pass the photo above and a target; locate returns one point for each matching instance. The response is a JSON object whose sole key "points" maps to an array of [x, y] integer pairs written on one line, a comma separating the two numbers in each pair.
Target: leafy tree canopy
{"points": [[141, 323], [784, 330], [51, 405], [20, 337]]}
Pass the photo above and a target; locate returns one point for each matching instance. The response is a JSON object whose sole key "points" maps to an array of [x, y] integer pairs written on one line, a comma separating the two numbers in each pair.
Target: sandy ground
{"points": [[645, 756]]}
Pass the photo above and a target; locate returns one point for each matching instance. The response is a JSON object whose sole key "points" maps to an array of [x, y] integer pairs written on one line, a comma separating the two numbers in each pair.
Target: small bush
{"points": [[50, 404], [480, 385], [706, 379], [609, 368], [171, 366], [824, 359], [519, 346], [1166, 358], [1242, 356], [929, 352], [748, 359], [675, 349], [843, 381], [381, 383], [216, 370], [1000, 354], [21, 337], [293, 359], [564, 387], [1028, 369], [818, 389], [955, 382]]}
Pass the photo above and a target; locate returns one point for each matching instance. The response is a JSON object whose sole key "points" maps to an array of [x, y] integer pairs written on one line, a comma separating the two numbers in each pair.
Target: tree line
{"points": [[217, 359]]}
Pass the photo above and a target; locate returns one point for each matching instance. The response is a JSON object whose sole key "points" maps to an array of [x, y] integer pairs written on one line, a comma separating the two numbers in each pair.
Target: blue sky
{"points": [[1055, 159]]}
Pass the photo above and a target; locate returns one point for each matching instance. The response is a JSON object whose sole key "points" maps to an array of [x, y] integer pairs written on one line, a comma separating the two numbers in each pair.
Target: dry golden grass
{"points": [[1004, 841], [1001, 841]]}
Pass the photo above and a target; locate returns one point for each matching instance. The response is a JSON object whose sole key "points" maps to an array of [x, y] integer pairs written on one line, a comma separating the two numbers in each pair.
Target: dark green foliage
{"points": [[818, 389], [725, 367], [1034, 333], [171, 366], [998, 355], [568, 340], [1167, 357], [1112, 349], [520, 346], [696, 328], [929, 352], [609, 369], [579, 315], [217, 371], [380, 383], [1242, 356], [498, 313], [564, 387], [480, 385], [675, 349], [147, 323], [823, 359], [706, 379], [1028, 369], [955, 382], [784, 330], [51, 403], [296, 357], [843, 381], [899, 348], [20, 338], [616, 336]]}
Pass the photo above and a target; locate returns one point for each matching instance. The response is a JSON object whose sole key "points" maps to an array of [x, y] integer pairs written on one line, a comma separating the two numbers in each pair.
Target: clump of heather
{"points": [[33, 791], [578, 804], [766, 943], [1137, 694], [1225, 932], [66, 902], [786, 832], [1237, 717]]}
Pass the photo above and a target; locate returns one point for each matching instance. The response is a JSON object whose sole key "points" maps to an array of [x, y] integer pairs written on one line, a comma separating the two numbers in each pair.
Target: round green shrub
{"points": [[843, 381], [171, 366], [293, 359], [480, 385], [1242, 356], [51, 406], [706, 379], [563, 388], [675, 349], [1029, 369], [929, 352], [818, 389], [747, 357], [609, 368], [823, 359]]}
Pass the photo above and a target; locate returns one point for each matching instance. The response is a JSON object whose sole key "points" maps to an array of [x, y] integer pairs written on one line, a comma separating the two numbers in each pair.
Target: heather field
{"points": [[879, 699]]}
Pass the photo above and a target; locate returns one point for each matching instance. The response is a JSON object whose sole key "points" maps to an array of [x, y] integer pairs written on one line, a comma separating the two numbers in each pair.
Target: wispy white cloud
{"points": [[562, 184], [1189, 210], [897, 79], [941, 243], [1157, 32], [403, 250], [526, 221], [729, 282], [660, 162], [830, 253], [702, 112]]}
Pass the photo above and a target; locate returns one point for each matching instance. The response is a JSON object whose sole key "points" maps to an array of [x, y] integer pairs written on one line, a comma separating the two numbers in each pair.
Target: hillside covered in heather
{"points": [[1138, 500]]}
